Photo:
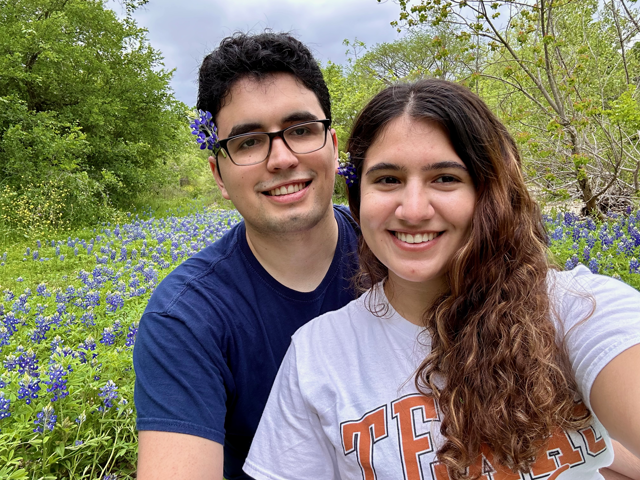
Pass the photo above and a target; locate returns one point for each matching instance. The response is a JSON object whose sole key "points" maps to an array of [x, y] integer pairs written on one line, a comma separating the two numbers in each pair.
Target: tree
{"points": [[84, 96], [423, 52], [559, 66]]}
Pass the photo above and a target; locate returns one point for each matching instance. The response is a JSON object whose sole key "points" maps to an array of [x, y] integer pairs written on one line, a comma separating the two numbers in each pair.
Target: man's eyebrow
{"points": [[301, 116], [432, 166], [244, 128]]}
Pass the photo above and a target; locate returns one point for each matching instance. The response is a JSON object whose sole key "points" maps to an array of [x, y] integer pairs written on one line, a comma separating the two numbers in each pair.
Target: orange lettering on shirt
{"points": [[412, 444], [595, 442], [557, 456], [360, 435], [485, 465]]}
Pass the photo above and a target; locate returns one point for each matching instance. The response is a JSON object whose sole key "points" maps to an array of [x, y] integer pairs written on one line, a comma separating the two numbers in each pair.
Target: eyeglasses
{"points": [[253, 148]]}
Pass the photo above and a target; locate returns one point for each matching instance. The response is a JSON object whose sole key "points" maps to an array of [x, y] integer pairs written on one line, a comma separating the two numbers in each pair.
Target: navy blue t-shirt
{"points": [[213, 336]]}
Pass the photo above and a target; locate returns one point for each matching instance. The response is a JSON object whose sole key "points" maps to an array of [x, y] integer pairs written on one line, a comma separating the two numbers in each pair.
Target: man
{"points": [[216, 329]]}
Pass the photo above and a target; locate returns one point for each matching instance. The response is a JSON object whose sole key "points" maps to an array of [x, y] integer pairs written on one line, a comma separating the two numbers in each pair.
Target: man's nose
{"points": [[281, 157]]}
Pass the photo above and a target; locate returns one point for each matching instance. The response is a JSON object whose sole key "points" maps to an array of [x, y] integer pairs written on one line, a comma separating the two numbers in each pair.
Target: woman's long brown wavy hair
{"points": [[507, 383]]}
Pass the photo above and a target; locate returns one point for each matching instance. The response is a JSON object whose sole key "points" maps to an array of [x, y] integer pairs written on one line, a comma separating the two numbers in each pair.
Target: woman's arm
{"points": [[625, 466], [615, 398]]}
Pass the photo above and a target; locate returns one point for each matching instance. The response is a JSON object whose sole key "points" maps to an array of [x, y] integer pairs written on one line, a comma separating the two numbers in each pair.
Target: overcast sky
{"points": [[185, 31]]}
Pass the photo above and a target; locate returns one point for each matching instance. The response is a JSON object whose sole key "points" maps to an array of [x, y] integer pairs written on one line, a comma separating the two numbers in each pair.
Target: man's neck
{"points": [[298, 260]]}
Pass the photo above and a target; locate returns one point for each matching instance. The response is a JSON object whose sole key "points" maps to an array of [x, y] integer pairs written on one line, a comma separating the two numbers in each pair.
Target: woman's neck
{"points": [[412, 299]]}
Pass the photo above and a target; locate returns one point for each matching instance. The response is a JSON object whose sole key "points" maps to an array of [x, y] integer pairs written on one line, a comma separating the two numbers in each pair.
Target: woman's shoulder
{"points": [[580, 284]]}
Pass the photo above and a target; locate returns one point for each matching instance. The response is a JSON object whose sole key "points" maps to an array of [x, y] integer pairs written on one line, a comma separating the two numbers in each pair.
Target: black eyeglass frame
{"points": [[223, 143]]}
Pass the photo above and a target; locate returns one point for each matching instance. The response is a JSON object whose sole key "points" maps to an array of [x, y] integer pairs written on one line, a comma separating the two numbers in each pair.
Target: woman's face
{"points": [[417, 201]]}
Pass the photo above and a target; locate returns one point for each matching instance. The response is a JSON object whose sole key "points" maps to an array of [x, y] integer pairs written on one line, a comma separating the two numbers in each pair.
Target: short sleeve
{"points": [[599, 319], [290, 443], [180, 383]]}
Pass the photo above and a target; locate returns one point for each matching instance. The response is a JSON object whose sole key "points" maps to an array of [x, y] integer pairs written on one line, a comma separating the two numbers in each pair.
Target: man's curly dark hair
{"points": [[257, 56]]}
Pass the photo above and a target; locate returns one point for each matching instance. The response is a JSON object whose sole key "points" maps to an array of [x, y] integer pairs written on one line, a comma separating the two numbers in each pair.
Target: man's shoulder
{"points": [[207, 271]]}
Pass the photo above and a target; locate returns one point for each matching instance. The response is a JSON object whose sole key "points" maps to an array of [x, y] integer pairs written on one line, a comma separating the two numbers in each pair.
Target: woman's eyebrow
{"points": [[432, 166], [384, 166], [444, 165]]}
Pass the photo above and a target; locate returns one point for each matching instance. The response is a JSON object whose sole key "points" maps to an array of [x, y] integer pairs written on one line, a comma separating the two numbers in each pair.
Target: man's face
{"points": [[267, 105]]}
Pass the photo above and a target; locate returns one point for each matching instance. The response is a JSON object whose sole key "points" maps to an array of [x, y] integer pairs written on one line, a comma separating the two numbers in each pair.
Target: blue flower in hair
{"points": [[206, 132], [347, 169]]}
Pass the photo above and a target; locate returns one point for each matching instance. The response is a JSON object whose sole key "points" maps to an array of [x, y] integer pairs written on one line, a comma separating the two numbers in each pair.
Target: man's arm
{"points": [[175, 456]]}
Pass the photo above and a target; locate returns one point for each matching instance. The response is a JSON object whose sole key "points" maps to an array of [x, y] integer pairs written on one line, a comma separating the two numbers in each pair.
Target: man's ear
{"points": [[216, 174], [336, 152]]}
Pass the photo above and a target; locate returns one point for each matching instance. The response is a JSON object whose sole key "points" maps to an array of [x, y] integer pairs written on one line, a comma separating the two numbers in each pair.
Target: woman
{"points": [[469, 356]]}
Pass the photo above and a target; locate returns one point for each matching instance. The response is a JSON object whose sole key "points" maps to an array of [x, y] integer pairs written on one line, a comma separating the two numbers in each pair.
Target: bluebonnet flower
{"points": [[594, 265], [572, 262], [11, 322], [570, 219], [634, 265], [78, 443], [635, 236], [88, 318], [114, 301], [109, 394], [131, 334], [4, 336], [586, 254], [35, 255], [41, 290], [557, 234], [81, 419], [57, 382], [5, 404], [110, 476], [108, 336], [89, 345], [56, 342], [29, 388], [92, 299], [27, 363], [19, 279], [206, 132], [43, 325], [46, 419]]}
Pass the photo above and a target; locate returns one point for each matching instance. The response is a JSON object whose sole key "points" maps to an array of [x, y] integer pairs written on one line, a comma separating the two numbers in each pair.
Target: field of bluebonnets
{"points": [[69, 310], [69, 313]]}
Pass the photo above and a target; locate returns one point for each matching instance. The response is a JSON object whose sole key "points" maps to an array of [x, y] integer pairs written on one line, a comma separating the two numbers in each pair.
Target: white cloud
{"points": [[186, 31]]}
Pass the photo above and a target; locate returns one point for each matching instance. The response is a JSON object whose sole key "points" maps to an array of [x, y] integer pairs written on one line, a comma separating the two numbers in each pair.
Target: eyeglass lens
{"points": [[254, 148]]}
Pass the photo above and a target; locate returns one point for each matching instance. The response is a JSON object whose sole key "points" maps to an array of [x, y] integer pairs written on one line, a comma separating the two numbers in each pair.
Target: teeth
{"points": [[284, 190], [416, 237]]}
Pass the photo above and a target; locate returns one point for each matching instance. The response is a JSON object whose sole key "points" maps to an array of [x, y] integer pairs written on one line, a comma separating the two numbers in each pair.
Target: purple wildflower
{"points": [[46, 419]]}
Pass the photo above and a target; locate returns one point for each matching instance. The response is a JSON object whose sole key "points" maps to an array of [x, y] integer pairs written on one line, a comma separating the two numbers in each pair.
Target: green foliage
{"points": [[85, 99], [560, 74]]}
